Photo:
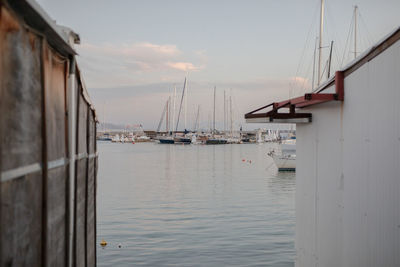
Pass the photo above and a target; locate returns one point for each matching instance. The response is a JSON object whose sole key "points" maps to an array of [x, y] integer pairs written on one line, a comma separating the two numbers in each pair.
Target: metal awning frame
{"points": [[293, 104], [317, 96]]}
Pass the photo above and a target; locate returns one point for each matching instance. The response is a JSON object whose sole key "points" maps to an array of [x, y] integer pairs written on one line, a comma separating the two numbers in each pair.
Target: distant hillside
{"points": [[118, 127]]}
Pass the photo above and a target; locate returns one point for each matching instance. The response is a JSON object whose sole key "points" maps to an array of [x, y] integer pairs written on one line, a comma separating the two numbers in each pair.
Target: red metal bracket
{"points": [[301, 102], [339, 85]]}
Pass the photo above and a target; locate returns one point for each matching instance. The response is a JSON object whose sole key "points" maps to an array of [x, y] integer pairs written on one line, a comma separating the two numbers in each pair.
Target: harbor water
{"points": [[193, 205]]}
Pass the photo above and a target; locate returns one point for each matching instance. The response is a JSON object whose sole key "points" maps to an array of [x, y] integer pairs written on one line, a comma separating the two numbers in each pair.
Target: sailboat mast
{"points": [[198, 119], [196, 127], [224, 112], [161, 119], [321, 29], [167, 117], [209, 122], [173, 107], [355, 31], [231, 114], [104, 117], [313, 71], [185, 107], [180, 106], [215, 90], [330, 61]]}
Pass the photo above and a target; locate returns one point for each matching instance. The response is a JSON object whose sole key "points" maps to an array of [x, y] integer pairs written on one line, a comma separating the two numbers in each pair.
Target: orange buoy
{"points": [[103, 243]]}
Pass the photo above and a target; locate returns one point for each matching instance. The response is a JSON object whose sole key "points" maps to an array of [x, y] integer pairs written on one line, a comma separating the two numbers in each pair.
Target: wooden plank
{"points": [[56, 219], [21, 221], [20, 144], [81, 182], [90, 223], [44, 51], [55, 194]]}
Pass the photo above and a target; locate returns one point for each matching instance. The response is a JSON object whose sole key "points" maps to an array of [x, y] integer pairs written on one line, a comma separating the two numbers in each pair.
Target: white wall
{"points": [[348, 172]]}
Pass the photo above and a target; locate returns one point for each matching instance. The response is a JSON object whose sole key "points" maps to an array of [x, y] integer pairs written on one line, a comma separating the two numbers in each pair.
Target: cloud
{"points": [[300, 81], [184, 66], [167, 50], [299, 85], [111, 65], [140, 51]]}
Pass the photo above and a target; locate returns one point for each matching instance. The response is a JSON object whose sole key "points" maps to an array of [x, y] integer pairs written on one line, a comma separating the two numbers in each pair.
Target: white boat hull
{"points": [[285, 162]]}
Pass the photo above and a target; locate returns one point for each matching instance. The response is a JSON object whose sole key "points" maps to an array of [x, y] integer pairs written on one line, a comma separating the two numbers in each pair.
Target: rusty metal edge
{"points": [[32, 15]]}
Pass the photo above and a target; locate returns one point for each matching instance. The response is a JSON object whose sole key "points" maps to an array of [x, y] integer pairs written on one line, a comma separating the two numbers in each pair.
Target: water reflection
{"points": [[282, 182], [194, 206]]}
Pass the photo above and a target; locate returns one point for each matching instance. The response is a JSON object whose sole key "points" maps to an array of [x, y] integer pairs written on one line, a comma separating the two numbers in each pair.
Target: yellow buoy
{"points": [[103, 243]]}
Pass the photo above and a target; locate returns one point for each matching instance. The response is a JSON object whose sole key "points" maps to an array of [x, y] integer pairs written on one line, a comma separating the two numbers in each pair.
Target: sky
{"points": [[133, 53]]}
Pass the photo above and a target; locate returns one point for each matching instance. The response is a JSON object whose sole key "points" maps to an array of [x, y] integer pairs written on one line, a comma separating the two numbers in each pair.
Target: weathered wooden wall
{"points": [[34, 156]]}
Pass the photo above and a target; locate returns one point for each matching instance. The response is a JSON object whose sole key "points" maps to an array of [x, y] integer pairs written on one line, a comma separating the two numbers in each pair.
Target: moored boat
{"points": [[182, 140], [284, 162], [166, 140], [216, 141], [143, 138], [104, 137], [286, 159], [116, 139]]}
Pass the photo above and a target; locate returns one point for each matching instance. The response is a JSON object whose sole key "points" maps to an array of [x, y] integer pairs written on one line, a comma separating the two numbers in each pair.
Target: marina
{"points": [[211, 144]]}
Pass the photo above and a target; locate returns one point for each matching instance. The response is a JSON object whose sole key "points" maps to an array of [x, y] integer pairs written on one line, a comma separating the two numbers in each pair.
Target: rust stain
{"points": [[46, 57], [32, 40], [7, 22], [57, 59], [46, 61]]}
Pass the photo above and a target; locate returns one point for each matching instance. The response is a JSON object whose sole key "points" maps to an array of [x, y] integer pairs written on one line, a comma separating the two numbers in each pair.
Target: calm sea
{"points": [[193, 205]]}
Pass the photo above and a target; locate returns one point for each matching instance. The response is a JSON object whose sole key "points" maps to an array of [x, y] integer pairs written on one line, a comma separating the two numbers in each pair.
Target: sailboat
{"points": [[232, 139], [169, 139], [182, 140], [215, 140], [178, 138], [166, 139], [195, 135]]}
